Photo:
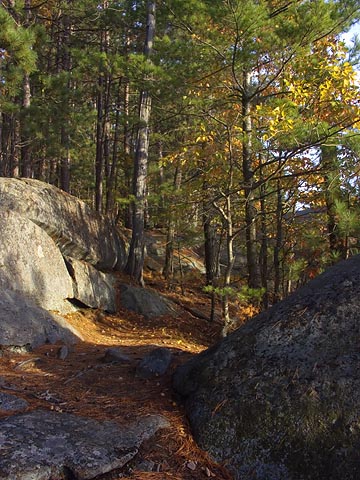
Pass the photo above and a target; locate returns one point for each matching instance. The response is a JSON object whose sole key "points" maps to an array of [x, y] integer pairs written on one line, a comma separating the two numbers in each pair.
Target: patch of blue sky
{"points": [[352, 33]]}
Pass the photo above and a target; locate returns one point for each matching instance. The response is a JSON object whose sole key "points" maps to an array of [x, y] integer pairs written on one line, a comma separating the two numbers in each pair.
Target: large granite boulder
{"points": [[77, 230], [44, 445], [280, 397], [10, 403], [31, 264], [91, 287], [22, 324], [145, 302], [186, 260], [155, 363]]}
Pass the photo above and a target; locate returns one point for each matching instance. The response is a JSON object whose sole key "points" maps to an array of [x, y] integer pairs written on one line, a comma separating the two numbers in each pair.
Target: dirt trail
{"points": [[85, 385]]}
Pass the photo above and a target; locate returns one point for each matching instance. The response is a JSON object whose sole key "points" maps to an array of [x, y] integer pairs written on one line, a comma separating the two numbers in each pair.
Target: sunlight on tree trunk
{"points": [[135, 262]]}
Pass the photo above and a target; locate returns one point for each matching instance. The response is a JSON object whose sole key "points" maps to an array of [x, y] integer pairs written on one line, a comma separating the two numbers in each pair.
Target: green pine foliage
{"points": [[17, 57], [245, 94]]}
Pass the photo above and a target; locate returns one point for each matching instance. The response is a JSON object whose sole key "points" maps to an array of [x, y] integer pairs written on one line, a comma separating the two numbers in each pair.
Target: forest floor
{"points": [[84, 384]]}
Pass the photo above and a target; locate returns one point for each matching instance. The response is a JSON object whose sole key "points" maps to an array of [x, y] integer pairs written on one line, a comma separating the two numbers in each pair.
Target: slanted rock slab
{"points": [[10, 402], [117, 355], [155, 363], [31, 263], [145, 302], [280, 397], [44, 445], [91, 287], [77, 230], [24, 324]]}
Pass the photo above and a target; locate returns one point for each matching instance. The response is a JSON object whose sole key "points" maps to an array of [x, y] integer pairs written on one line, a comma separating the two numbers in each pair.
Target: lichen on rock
{"points": [[280, 397]]}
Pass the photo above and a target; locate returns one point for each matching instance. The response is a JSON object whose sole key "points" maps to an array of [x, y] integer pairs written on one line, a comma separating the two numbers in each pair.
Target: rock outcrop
{"points": [[31, 263], [145, 302], [91, 287], [77, 230], [155, 363], [9, 403], [116, 355], [186, 260], [23, 324], [280, 397], [54, 249], [44, 445]]}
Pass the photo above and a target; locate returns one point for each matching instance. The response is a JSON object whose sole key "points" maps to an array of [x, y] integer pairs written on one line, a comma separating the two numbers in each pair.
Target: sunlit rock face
{"points": [[92, 288], [77, 230], [280, 397], [145, 302], [31, 263], [56, 254]]}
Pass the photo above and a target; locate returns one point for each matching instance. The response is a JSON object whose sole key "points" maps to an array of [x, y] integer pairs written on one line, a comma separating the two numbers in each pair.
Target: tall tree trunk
{"points": [[6, 128], [128, 164], [264, 239], [128, 141], [212, 245], [65, 159], [168, 269], [99, 157], [26, 167], [102, 107], [248, 174], [135, 262], [333, 195], [230, 257], [112, 170], [9, 165], [107, 126], [65, 64], [226, 212], [278, 243]]}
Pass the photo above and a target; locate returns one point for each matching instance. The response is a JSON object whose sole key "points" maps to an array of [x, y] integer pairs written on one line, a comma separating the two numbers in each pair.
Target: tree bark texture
{"points": [[26, 167], [250, 209], [135, 262], [168, 269], [333, 195]]}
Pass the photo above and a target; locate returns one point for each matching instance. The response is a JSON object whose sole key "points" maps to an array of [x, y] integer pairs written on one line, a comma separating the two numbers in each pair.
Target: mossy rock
{"points": [[279, 398]]}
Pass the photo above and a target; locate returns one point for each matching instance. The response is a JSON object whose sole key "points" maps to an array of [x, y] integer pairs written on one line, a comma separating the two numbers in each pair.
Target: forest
{"points": [[231, 126]]}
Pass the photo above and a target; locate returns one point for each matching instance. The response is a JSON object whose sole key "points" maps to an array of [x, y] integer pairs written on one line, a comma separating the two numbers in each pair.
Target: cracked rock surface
{"points": [[10, 402], [279, 398], [43, 445]]}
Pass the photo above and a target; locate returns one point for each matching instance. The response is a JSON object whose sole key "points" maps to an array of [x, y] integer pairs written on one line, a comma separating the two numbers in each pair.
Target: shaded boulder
{"points": [[44, 445], [145, 302], [155, 363], [279, 398], [185, 260], [24, 324], [31, 263], [77, 230], [91, 287], [153, 265], [10, 402], [116, 355], [63, 352]]}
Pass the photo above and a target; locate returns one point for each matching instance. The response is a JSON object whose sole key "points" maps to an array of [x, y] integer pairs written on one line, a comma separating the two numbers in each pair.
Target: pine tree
{"points": [[135, 262], [17, 62]]}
